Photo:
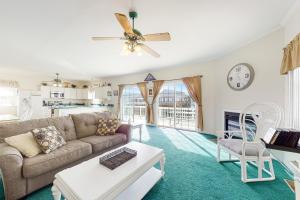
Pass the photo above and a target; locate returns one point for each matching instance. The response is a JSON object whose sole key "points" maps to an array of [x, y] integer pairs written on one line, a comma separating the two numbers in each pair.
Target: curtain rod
{"points": [[176, 79]]}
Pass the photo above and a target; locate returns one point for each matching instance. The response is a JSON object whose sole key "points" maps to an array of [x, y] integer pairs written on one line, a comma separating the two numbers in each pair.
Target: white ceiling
{"points": [[51, 36]]}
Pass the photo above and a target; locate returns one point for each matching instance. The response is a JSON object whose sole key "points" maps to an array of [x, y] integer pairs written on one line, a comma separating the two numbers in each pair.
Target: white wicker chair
{"points": [[250, 149]]}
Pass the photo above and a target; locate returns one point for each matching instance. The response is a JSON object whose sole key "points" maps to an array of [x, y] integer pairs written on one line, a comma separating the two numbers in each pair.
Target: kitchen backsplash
{"points": [[51, 102]]}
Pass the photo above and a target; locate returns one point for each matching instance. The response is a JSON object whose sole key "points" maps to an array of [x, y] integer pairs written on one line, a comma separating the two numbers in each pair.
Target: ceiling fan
{"points": [[56, 82], [134, 38]]}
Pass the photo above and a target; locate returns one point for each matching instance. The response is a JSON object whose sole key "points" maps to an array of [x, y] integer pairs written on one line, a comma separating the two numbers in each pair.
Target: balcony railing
{"points": [[184, 118], [180, 117], [134, 114]]}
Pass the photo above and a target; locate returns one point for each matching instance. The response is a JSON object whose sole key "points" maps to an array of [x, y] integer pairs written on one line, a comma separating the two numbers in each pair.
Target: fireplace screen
{"points": [[231, 123]]}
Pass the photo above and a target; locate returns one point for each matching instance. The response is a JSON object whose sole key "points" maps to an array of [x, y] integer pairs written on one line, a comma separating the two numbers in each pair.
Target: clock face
{"points": [[240, 76]]}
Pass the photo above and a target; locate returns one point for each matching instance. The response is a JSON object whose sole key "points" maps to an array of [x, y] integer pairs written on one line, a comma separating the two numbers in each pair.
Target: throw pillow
{"points": [[25, 143], [48, 138], [107, 126]]}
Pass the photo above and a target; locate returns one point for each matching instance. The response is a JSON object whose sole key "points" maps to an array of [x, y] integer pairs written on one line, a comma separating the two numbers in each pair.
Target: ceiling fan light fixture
{"points": [[57, 81], [125, 50], [138, 50], [139, 53]]}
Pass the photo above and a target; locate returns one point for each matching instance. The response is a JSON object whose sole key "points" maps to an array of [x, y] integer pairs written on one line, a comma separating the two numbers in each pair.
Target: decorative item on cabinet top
{"points": [[48, 92], [116, 93], [100, 84]]}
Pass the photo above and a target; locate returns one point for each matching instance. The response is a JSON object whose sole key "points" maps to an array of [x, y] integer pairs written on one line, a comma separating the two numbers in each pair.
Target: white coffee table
{"points": [[130, 181]]}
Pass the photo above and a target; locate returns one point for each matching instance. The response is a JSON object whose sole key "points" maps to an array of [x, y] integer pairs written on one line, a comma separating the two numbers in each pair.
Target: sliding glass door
{"points": [[175, 106], [133, 106]]}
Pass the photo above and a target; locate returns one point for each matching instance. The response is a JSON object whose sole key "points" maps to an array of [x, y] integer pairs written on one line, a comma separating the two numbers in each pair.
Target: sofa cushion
{"points": [[48, 138], [86, 124], [100, 143], [65, 126], [11, 129], [107, 126], [235, 145], [74, 150], [25, 143]]}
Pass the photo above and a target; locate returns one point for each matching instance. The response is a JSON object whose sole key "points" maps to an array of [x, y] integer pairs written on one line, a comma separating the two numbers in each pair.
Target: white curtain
{"points": [[293, 100], [8, 97]]}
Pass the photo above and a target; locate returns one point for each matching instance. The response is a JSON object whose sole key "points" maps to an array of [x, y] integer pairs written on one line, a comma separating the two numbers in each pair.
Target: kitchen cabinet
{"points": [[45, 92], [91, 94], [73, 93], [101, 92], [82, 94], [98, 93], [67, 93], [70, 93], [79, 94], [57, 89]]}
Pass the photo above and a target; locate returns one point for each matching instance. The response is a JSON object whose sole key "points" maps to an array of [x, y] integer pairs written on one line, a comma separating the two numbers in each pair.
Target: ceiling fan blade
{"points": [[123, 20], [157, 37], [107, 38], [149, 50]]}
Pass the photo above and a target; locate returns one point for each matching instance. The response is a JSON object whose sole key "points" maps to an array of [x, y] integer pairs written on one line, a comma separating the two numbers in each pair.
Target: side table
{"points": [[136, 126]]}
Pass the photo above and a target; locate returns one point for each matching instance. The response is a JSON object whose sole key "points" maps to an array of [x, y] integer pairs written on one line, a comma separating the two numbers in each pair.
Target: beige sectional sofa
{"points": [[22, 175]]}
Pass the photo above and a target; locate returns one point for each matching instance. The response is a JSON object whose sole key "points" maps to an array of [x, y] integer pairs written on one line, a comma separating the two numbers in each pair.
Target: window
{"points": [[175, 106], [293, 102], [8, 100], [133, 106]]}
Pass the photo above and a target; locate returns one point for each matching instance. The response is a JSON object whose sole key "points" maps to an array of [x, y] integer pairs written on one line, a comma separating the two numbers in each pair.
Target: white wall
{"points": [[268, 85]]}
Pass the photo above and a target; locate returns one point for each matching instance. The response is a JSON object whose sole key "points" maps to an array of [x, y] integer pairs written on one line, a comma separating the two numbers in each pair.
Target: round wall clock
{"points": [[240, 76]]}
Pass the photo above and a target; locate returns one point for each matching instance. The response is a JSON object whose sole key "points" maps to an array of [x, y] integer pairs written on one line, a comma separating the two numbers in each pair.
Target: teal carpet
{"points": [[193, 173]]}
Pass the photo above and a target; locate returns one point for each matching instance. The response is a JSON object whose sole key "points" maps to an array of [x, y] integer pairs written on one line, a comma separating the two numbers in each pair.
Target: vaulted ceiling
{"points": [[54, 35]]}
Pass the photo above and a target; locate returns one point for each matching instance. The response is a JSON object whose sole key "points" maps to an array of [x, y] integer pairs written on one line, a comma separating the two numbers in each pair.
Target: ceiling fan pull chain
{"points": [[133, 23]]}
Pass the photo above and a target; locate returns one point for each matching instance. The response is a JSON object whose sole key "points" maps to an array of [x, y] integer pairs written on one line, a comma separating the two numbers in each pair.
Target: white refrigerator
{"points": [[30, 105]]}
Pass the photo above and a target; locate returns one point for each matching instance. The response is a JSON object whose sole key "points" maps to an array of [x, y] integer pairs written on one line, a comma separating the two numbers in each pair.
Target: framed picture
{"points": [[116, 93], [109, 93], [150, 92]]}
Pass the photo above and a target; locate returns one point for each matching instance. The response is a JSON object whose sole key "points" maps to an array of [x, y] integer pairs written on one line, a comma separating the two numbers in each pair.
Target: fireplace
{"points": [[231, 122]]}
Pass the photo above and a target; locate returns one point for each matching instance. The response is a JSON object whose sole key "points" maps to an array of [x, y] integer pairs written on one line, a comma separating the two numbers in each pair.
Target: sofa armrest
{"points": [[125, 129], [11, 162]]}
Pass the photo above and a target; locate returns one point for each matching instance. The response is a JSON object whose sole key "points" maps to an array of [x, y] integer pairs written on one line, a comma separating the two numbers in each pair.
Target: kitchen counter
{"points": [[78, 106], [65, 110], [8, 118]]}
